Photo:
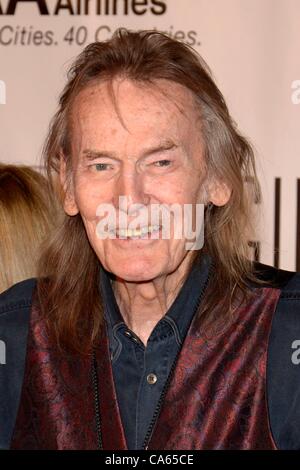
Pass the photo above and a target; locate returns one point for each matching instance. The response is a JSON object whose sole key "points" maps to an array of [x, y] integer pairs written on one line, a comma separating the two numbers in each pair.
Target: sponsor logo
{"points": [[87, 7]]}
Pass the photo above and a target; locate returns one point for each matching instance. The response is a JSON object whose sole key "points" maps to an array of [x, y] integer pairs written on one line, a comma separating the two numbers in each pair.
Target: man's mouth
{"points": [[142, 232]]}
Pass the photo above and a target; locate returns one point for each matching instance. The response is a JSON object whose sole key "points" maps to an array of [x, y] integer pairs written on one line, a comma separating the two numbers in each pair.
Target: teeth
{"points": [[123, 232]]}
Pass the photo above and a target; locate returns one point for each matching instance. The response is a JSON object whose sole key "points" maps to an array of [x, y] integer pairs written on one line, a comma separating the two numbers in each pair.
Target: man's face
{"points": [[145, 146]]}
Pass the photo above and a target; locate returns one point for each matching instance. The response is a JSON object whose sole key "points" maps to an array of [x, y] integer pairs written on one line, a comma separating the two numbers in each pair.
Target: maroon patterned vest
{"points": [[215, 399]]}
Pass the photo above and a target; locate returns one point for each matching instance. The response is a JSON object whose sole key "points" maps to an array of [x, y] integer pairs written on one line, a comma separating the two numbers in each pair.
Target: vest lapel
{"points": [[112, 432]]}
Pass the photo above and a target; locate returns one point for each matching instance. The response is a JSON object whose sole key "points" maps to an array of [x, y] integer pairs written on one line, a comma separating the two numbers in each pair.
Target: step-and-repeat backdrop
{"points": [[252, 46]]}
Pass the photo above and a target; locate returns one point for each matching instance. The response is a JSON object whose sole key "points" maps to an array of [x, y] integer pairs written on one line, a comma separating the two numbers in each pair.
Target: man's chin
{"points": [[137, 272]]}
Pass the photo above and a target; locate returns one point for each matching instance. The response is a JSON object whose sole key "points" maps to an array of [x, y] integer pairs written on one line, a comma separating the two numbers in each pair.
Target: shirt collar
{"points": [[185, 304], [111, 308]]}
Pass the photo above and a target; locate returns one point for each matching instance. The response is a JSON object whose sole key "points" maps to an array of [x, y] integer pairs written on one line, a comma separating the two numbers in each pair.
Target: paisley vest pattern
{"points": [[216, 396]]}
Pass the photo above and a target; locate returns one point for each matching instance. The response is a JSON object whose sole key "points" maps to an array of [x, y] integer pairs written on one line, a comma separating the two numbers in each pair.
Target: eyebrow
{"points": [[166, 145]]}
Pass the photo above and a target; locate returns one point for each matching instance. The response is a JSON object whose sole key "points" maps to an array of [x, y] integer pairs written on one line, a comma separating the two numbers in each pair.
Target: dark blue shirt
{"points": [[140, 372]]}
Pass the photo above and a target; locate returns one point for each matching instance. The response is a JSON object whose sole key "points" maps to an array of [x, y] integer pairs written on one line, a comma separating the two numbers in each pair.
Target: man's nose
{"points": [[130, 185]]}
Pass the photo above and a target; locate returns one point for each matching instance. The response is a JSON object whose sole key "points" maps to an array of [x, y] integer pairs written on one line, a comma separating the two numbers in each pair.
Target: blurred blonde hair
{"points": [[27, 214]]}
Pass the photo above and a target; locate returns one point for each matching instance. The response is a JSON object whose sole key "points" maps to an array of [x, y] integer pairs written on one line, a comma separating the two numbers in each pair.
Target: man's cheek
{"points": [[170, 193], [91, 231], [88, 201]]}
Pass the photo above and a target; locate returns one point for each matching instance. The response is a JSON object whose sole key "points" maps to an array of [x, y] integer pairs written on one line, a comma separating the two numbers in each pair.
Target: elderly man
{"points": [[139, 338]]}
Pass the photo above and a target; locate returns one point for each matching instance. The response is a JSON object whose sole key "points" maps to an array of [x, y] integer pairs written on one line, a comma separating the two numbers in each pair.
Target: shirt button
{"points": [[127, 333], [151, 379]]}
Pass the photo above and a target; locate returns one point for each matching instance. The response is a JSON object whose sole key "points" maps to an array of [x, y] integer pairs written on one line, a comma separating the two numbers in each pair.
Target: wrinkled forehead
{"points": [[135, 103]]}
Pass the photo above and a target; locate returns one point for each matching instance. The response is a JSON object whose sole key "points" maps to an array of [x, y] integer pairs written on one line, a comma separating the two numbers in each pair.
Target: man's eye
{"points": [[161, 163], [101, 166]]}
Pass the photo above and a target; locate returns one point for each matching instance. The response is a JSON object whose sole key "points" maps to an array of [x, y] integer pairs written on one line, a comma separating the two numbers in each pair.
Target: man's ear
{"points": [[219, 193], [69, 203]]}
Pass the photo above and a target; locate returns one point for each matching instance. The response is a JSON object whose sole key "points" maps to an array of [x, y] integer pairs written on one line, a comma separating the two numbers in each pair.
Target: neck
{"points": [[142, 305]]}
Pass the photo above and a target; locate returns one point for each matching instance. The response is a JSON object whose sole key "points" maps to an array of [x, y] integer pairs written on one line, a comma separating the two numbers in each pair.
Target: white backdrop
{"points": [[252, 47]]}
